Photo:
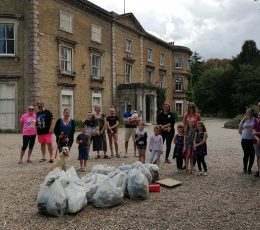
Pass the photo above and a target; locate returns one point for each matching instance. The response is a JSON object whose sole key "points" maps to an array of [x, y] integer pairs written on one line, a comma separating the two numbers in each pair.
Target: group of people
{"points": [[249, 129]]}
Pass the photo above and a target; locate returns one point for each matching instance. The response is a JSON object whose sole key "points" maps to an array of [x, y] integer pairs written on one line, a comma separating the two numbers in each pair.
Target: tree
{"points": [[197, 67]]}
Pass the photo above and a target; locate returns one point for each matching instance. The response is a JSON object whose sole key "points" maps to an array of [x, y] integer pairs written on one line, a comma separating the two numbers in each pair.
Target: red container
{"points": [[154, 188]]}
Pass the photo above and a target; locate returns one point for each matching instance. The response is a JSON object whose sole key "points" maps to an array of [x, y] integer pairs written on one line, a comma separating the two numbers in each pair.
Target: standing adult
{"points": [[256, 135], [191, 114], [166, 120], [99, 134], [64, 130], [245, 130], [130, 120], [28, 126], [45, 124]]}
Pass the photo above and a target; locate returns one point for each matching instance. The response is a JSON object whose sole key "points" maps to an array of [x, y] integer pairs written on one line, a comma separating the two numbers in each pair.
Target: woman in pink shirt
{"points": [[191, 114], [28, 126]]}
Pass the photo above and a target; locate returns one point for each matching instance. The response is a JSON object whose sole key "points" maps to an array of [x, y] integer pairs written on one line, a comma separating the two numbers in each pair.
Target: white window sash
{"points": [[7, 40], [96, 33], [66, 21], [66, 59]]}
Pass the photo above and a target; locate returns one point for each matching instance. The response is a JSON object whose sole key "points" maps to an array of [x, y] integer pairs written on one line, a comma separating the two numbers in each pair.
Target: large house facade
{"points": [[74, 54]]}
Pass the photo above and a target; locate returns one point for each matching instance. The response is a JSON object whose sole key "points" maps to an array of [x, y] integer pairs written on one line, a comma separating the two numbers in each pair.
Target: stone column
{"points": [[114, 83], [34, 52], [144, 108], [155, 108]]}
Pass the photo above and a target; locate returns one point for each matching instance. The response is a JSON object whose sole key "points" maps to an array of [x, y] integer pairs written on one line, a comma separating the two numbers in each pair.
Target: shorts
{"points": [[141, 146], [128, 133], [45, 138], [83, 154], [257, 150]]}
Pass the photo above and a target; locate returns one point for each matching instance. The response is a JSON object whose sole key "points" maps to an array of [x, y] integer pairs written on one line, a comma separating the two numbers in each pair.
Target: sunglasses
{"points": [[30, 109]]}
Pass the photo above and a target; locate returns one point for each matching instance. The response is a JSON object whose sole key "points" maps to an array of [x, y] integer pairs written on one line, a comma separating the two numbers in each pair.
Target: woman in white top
{"points": [[245, 130]]}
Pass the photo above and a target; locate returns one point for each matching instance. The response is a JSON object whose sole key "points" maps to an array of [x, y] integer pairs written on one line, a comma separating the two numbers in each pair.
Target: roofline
{"points": [[182, 49]]}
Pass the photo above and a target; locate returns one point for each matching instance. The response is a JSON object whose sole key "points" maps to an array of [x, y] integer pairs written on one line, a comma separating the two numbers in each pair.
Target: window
{"points": [[96, 33], [7, 105], [7, 39], [67, 101], [179, 107], [149, 55], [162, 78], [178, 62], [96, 99], [162, 59], [95, 66], [178, 83], [65, 60], [66, 21], [128, 45], [150, 76], [128, 73]]}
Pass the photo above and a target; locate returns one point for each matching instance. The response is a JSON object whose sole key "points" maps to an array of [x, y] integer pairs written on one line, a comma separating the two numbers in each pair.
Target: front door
{"points": [[148, 108]]}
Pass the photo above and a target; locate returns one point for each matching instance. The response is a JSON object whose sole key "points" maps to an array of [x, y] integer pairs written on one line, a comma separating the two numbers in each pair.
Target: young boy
{"points": [[83, 140]]}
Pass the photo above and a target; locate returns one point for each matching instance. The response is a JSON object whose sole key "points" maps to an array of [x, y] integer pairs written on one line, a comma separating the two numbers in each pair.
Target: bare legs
{"points": [[50, 150], [112, 137]]}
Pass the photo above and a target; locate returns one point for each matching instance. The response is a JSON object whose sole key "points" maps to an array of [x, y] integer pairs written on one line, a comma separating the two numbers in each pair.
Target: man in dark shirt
{"points": [[45, 124]]}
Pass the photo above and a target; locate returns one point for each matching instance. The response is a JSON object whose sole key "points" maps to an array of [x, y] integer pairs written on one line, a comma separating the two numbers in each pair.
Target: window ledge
{"points": [[100, 79], [16, 58], [64, 74]]}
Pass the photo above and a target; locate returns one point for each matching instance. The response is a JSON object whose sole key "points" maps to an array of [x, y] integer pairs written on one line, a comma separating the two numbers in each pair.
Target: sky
{"points": [[213, 28]]}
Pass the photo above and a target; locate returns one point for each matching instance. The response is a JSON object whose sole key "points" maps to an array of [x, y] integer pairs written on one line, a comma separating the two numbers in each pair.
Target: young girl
{"points": [[141, 141], [178, 140], [112, 124], [188, 145], [156, 146], [200, 147]]}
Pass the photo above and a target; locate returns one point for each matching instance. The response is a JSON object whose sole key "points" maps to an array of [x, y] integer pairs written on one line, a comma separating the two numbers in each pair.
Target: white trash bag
{"points": [[103, 169], [144, 170], [125, 167], [137, 185], [76, 197], [51, 199], [154, 170], [119, 178], [108, 195]]}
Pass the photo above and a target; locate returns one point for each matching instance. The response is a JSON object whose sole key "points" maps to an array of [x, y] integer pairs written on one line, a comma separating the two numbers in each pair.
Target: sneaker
{"points": [[249, 171], [199, 173], [50, 161], [257, 174], [84, 169], [205, 174]]}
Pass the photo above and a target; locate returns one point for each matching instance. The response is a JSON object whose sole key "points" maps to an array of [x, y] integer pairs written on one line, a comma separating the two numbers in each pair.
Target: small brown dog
{"points": [[61, 162]]}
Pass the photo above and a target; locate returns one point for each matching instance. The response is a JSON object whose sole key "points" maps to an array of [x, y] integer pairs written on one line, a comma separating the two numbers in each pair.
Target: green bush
{"points": [[233, 124], [78, 124]]}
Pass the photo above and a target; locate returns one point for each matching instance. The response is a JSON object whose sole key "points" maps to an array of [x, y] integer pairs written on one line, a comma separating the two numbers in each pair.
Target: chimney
{"points": [[171, 43]]}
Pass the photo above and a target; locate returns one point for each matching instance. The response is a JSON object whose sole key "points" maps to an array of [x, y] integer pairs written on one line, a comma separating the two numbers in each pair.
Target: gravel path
{"points": [[225, 199]]}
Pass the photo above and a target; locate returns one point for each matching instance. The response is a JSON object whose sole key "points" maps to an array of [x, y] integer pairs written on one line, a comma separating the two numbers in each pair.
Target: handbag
{"points": [[95, 131]]}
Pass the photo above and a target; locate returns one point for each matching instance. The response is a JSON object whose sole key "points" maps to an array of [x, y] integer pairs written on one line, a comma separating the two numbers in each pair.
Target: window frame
{"points": [[181, 63], [69, 30], [8, 21], [98, 94], [100, 29], [180, 84], [150, 55], [162, 83], [72, 59], [131, 45], [162, 56], [130, 74], [100, 67], [179, 102], [67, 92], [150, 80]]}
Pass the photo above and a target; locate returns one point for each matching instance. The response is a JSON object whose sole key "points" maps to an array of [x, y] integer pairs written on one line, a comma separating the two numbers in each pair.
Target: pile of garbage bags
{"points": [[106, 186]]}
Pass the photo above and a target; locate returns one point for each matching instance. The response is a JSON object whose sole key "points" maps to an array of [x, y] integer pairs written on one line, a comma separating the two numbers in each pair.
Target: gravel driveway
{"points": [[225, 199]]}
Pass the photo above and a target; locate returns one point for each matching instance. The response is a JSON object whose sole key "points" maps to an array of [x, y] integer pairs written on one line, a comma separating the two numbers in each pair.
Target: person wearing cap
{"points": [[166, 120], [130, 122], [45, 125]]}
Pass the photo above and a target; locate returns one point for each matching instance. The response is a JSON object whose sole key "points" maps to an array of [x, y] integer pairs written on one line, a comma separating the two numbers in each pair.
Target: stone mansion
{"points": [[74, 54]]}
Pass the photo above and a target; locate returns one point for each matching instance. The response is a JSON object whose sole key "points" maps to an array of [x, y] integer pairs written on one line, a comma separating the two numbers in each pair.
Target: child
{"points": [[200, 146], [83, 139], [89, 123], [188, 145], [178, 140], [141, 141], [112, 124], [156, 146]]}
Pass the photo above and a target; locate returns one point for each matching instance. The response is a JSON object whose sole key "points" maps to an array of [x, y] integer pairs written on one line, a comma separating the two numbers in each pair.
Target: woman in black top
{"points": [[166, 120]]}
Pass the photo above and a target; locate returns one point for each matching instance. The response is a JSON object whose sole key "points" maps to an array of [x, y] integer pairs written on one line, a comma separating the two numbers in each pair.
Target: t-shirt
{"points": [[112, 121], [163, 119], [84, 137], [43, 123], [156, 143], [29, 124], [128, 114], [195, 117], [142, 135], [247, 127], [90, 125], [257, 129]]}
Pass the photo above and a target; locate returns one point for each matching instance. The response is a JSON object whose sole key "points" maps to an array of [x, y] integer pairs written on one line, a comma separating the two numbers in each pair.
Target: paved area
{"points": [[225, 199]]}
